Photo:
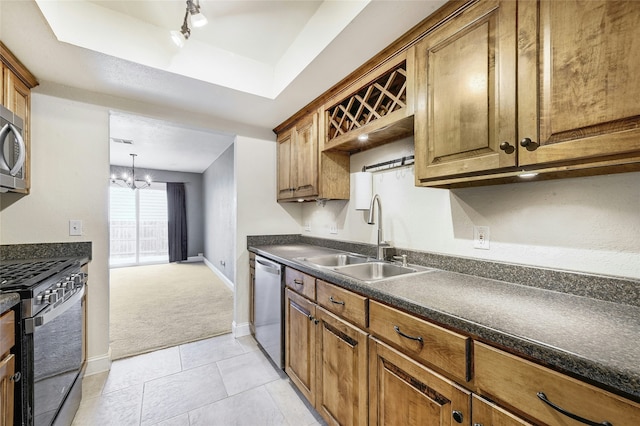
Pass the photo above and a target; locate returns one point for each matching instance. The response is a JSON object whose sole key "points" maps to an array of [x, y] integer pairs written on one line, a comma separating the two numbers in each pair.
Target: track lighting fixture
{"points": [[193, 14]]}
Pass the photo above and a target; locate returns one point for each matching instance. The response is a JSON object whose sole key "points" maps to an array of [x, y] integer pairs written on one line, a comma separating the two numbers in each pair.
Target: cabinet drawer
{"points": [[441, 348], [7, 332], [301, 283], [344, 303], [516, 382]]}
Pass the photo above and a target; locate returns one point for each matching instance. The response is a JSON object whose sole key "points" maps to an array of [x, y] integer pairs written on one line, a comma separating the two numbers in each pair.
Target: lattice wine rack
{"points": [[382, 97]]}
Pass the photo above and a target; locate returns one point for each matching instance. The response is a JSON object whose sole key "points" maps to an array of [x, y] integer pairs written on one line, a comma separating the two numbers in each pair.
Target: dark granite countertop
{"points": [[8, 301], [592, 339], [45, 250]]}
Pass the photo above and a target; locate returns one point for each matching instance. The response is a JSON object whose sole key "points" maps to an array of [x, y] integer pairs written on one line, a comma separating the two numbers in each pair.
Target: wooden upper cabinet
{"points": [[378, 105], [285, 182], [466, 93], [306, 157], [578, 80], [298, 160], [304, 171]]}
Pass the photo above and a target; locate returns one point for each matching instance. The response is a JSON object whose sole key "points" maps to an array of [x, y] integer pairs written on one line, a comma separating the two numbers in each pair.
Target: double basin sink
{"points": [[362, 267]]}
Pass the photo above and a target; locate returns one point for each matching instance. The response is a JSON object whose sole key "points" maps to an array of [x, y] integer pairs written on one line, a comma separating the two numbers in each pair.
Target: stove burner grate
{"points": [[21, 274]]}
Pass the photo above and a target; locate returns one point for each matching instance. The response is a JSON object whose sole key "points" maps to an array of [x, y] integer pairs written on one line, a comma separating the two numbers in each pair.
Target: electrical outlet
{"points": [[481, 237], [333, 228], [307, 227], [75, 227]]}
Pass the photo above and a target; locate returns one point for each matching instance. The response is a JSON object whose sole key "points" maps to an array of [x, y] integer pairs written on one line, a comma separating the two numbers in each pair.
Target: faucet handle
{"points": [[403, 258]]}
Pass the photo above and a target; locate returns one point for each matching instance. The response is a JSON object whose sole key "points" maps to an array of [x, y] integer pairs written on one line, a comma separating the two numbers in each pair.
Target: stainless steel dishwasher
{"points": [[268, 308]]}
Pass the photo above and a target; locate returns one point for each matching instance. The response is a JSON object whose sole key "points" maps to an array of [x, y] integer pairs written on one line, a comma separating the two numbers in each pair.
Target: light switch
{"points": [[75, 227]]}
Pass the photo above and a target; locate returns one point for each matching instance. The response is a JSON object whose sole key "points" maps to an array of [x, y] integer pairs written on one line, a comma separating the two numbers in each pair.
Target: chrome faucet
{"points": [[381, 243]]}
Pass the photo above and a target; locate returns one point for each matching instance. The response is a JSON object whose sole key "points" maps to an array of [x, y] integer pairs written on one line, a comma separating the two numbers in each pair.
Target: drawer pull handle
{"points": [[544, 399], [397, 329], [298, 282], [337, 302]]}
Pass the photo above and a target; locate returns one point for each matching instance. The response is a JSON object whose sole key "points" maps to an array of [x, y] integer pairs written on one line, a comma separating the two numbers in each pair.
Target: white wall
{"points": [[220, 212], [258, 213], [584, 224], [70, 167]]}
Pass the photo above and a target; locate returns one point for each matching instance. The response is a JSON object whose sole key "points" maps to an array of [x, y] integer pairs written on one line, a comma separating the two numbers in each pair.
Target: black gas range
{"points": [[49, 337]]}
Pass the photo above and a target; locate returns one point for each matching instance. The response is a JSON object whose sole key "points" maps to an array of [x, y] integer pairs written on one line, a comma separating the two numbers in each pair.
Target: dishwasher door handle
{"points": [[268, 267]]}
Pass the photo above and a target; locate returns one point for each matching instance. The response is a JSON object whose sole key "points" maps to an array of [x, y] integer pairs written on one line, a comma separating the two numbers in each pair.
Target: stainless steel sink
{"points": [[377, 270], [338, 259], [362, 267]]}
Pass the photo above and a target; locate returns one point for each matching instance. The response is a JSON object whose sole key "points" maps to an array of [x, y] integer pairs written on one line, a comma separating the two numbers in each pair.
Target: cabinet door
{"points": [[300, 343], [578, 76], [486, 413], [403, 392], [341, 396], [285, 184], [7, 369], [305, 163], [466, 94]]}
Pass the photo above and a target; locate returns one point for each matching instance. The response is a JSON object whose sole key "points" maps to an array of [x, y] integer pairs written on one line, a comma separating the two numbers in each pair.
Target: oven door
{"points": [[57, 356]]}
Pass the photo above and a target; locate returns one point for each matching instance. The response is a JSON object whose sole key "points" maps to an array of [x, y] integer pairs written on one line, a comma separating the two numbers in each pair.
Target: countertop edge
{"points": [[8, 301]]}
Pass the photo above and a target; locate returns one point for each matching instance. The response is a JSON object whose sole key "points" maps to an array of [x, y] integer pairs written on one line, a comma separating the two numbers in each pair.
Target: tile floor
{"points": [[217, 381]]}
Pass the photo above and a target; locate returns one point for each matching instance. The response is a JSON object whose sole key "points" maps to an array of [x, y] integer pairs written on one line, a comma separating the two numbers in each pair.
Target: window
{"points": [[138, 225]]}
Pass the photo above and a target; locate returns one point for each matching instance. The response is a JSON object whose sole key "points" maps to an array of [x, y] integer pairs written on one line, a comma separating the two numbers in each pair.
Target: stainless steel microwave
{"points": [[12, 151]]}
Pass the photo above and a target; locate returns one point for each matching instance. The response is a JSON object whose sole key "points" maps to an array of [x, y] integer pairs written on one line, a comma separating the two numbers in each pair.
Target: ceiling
{"points": [[255, 63]]}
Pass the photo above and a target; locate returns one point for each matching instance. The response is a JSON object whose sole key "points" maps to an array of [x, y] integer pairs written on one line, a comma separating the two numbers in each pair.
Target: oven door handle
{"points": [[30, 324], [6, 130]]}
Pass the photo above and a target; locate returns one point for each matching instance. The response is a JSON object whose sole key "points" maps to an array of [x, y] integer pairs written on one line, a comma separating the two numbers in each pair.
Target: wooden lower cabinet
{"points": [[404, 392], [341, 397], [300, 343], [7, 368], [530, 389], [486, 413], [326, 359]]}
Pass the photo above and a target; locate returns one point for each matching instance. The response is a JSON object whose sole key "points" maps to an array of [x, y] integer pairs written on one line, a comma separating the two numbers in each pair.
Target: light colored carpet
{"points": [[158, 306]]}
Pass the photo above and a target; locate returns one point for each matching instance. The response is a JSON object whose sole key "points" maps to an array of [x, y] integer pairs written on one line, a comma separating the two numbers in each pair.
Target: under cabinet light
{"points": [[527, 175]]}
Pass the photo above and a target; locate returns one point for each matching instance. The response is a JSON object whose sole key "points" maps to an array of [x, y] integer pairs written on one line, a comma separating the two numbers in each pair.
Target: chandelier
{"points": [[129, 180], [197, 20]]}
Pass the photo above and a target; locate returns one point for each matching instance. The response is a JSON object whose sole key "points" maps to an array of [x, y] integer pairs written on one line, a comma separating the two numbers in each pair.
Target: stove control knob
{"points": [[67, 285], [60, 292], [49, 296]]}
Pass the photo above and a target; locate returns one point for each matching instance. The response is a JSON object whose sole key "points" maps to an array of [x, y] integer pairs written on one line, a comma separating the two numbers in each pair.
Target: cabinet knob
{"points": [[507, 147], [457, 416], [529, 144]]}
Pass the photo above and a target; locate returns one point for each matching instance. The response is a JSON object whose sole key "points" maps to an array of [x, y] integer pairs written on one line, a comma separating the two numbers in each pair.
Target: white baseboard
{"points": [[193, 259], [98, 364], [240, 330], [220, 275]]}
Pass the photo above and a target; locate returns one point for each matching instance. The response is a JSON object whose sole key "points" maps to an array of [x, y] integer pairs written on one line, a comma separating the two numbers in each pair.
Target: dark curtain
{"points": [[177, 210]]}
